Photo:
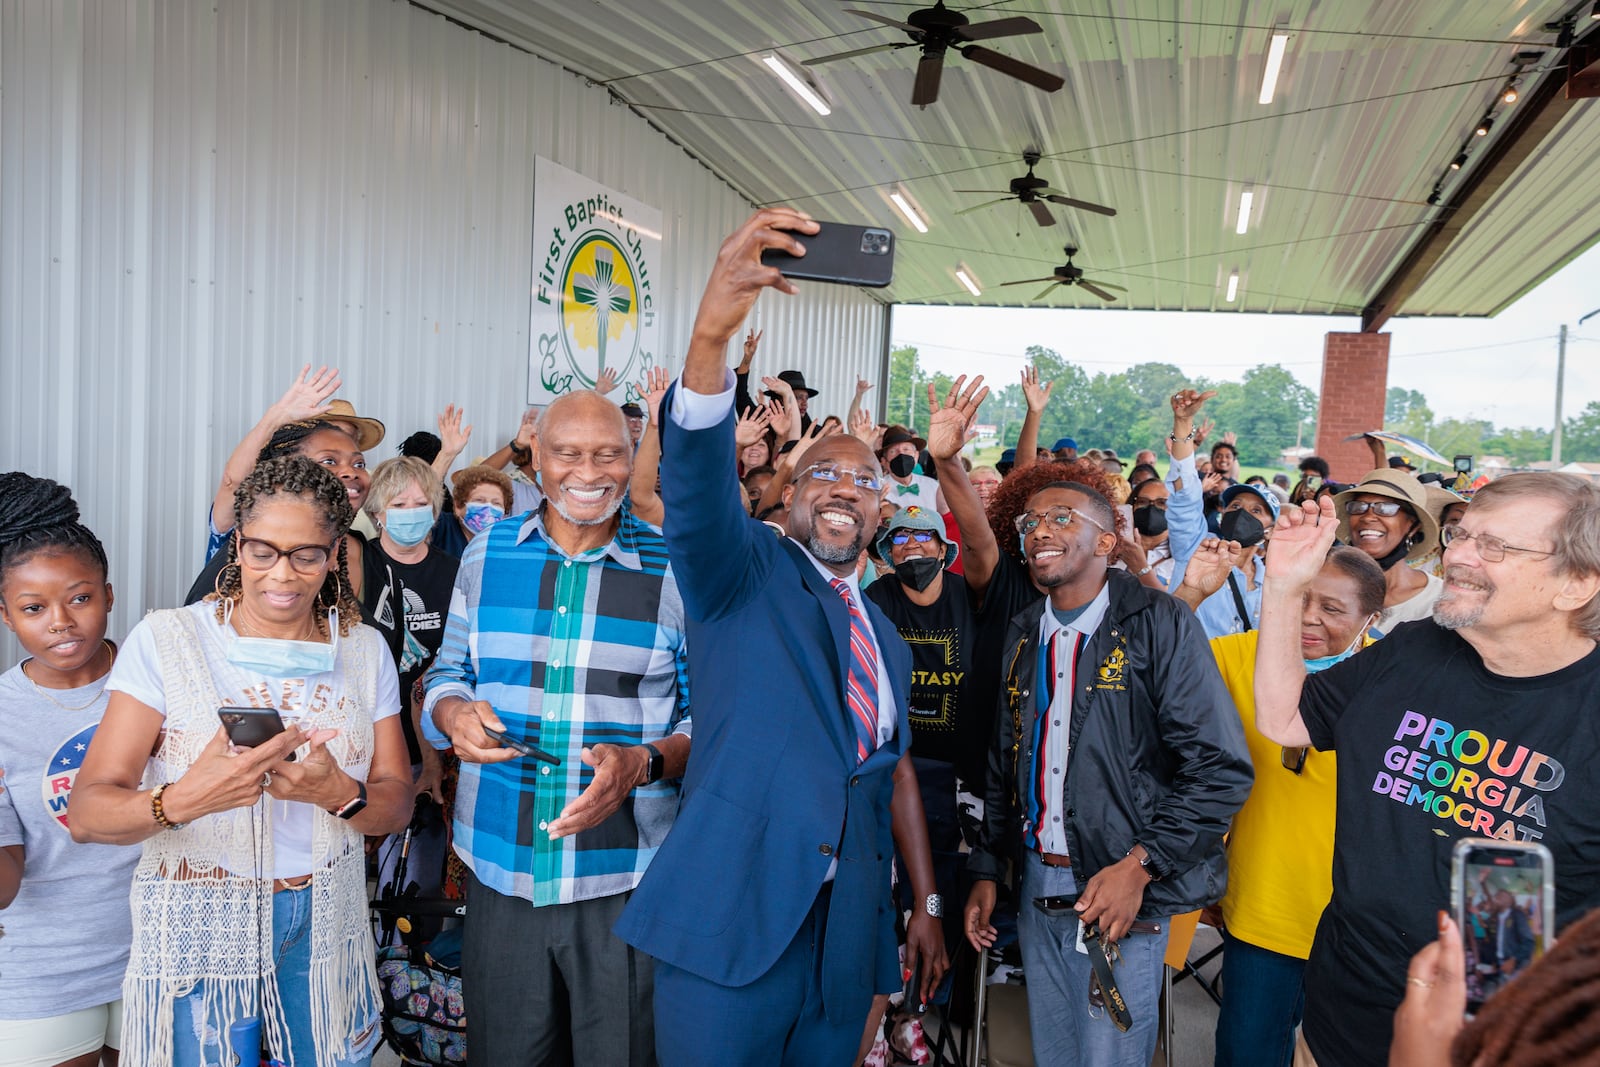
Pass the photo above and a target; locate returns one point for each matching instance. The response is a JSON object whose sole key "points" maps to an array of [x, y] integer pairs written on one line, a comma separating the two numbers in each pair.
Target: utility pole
{"points": [[1561, 375]]}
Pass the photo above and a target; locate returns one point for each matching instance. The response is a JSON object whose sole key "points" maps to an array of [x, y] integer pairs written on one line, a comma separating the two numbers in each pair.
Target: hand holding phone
{"points": [[252, 727], [521, 746], [839, 253]]}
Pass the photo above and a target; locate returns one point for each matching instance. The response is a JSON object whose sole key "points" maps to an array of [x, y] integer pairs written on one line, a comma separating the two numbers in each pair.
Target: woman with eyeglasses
{"points": [[1280, 849], [250, 898], [1387, 516]]}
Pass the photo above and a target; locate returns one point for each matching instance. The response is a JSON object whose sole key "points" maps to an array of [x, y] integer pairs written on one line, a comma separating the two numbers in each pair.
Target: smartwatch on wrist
{"points": [[657, 765], [352, 808]]}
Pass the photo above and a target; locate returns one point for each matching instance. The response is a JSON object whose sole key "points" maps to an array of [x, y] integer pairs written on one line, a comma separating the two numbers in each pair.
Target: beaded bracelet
{"points": [[158, 812]]}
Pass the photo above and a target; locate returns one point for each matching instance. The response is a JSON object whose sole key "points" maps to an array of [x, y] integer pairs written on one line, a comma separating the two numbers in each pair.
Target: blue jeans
{"points": [[1065, 1031], [291, 948], [1263, 995]]}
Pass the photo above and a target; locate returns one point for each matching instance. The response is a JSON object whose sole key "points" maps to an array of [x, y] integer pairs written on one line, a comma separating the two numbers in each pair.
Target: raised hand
{"points": [[1213, 483], [1036, 394], [818, 431], [779, 420], [862, 427], [862, 385], [525, 430], [751, 426], [1210, 566], [791, 407], [605, 381], [1186, 403], [307, 396], [453, 437], [751, 341], [1230, 438], [1203, 431], [1300, 541], [950, 423], [654, 390], [739, 277]]}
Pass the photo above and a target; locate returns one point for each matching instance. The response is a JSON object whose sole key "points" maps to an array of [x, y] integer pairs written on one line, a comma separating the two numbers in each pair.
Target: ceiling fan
{"points": [[1067, 274], [936, 30], [1033, 192]]}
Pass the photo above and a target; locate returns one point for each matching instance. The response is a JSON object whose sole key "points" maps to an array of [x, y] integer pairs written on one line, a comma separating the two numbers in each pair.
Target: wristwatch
{"points": [[352, 808], [933, 904], [1144, 862], [657, 765]]}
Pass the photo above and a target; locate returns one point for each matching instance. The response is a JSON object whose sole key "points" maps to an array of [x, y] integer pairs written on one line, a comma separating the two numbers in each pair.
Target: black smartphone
{"points": [[1504, 897], [841, 253], [1056, 907], [521, 746], [249, 727]]}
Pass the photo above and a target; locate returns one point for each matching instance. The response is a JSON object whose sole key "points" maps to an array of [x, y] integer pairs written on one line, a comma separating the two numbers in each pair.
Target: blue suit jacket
{"points": [[773, 794]]}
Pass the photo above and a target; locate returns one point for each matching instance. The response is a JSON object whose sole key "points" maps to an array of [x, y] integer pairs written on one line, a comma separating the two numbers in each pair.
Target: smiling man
{"points": [[566, 632], [1117, 752], [1479, 722], [767, 909]]}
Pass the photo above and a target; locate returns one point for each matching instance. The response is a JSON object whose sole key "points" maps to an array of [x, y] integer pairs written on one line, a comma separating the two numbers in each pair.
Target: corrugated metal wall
{"points": [[196, 199]]}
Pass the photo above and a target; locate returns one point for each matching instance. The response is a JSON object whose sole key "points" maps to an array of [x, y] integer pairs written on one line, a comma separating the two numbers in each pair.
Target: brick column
{"points": [[1355, 385]]}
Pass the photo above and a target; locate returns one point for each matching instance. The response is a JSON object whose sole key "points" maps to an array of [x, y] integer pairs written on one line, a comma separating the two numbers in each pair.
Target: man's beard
{"points": [[830, 553], [600, 520], [1460, 617]]}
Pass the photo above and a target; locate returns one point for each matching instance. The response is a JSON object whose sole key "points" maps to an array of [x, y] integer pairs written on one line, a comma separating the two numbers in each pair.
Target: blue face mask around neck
{"points": [[407, 526], [278, 657]]}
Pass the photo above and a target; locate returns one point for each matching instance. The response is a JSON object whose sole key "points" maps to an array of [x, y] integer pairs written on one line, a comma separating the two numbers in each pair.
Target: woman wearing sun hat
{"points": [[1387, 516]]}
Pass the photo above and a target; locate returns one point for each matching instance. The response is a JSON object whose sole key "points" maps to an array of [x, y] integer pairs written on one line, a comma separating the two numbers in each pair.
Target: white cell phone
{"points": [[1503, 894]]}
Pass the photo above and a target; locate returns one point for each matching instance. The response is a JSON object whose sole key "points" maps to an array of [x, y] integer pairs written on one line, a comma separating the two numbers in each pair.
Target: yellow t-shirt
{"points": [[1280, 852]]}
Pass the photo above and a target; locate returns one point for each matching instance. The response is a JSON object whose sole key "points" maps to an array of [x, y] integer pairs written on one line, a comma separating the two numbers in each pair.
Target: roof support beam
{"points": [[1529, 123]]}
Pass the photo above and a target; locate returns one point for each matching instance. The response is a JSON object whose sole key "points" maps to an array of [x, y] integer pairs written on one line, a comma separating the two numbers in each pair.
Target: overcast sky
{"points": [[1502, 369]]}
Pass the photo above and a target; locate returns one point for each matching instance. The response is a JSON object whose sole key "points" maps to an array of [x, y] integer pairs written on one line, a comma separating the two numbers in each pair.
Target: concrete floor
{"points": [[1194, 1019]]}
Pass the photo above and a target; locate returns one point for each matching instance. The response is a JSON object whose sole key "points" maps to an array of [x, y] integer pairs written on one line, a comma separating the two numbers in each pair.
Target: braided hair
{"points": [[1019, 487], [1546, 1017], [295, 476], [38, 515], [286, 439]]}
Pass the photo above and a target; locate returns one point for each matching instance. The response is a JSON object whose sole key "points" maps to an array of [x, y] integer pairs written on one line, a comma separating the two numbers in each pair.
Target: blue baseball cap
{"points": [[1008, 456], [1065, 442], [1266, 496]]}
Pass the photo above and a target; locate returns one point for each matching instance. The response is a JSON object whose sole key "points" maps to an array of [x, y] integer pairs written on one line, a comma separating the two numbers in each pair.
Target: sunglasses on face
{"points": [[921, 537], [1387, 508]]}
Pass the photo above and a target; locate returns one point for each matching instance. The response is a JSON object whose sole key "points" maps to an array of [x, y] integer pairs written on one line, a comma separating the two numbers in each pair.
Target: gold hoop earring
{"points": [[216, 586]]}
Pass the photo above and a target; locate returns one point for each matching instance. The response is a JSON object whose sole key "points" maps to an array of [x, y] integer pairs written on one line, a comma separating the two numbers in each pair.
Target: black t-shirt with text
{"points": [[418, 599], [1433, 747], [944, 723]]}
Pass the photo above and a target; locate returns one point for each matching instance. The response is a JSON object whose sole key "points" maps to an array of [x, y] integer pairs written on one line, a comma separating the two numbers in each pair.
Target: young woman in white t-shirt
{"points": [[64, 910], [250, 897]]}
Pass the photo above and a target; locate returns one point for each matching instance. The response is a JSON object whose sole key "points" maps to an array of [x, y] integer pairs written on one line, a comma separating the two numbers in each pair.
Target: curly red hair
{"points": [[1019, 487]]}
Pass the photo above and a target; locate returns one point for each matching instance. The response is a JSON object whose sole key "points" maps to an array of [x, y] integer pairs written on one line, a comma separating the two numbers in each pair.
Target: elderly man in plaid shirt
{"points": [[566, 633]]}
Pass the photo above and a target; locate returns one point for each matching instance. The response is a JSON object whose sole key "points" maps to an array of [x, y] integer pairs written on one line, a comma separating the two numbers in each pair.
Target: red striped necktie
{"points": [[861, 683]]}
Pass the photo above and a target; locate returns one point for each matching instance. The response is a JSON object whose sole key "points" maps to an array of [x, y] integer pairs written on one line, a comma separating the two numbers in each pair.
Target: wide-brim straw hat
{"points": [[1398, 485], [368, 431]]}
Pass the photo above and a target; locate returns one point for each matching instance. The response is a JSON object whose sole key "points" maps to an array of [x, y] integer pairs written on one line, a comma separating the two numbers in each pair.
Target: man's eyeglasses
{"points": [[828, 472], [1387, 508], [263, 555], [921, 537], [1059, 518], [1490, 548]]}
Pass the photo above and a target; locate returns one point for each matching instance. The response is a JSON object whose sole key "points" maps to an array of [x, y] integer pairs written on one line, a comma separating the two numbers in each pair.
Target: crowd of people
{"points": [[746, 719]]}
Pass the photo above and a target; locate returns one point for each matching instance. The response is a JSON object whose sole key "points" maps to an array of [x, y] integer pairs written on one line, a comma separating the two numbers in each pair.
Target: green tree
{"points": [[1580, 436], [1400, 404], [1264, 411], [1523, 445], [906, 392]]}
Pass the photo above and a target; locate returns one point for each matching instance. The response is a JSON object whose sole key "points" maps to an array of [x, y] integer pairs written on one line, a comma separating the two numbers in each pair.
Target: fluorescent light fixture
{"points": [[1233, 286], [800, 84], [1269, 78], [899, 200], [964, 276], [1246, 198]]}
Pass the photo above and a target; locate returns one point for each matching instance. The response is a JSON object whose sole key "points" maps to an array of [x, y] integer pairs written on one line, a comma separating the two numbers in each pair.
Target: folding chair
{"points": [[1180, 939]]}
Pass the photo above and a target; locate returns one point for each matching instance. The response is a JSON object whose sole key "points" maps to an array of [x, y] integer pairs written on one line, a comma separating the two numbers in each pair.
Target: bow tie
{"points": [[901, 490]]}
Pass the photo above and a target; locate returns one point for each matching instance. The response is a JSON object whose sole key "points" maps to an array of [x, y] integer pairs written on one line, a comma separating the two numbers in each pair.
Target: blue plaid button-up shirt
{"points": [[570, 651]]}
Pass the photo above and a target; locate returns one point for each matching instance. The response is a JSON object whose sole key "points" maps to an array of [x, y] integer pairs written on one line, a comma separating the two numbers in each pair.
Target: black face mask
{"points": [[919, 572], [1400, 552], [1241, 526], [1150, 520], [902, 465]]}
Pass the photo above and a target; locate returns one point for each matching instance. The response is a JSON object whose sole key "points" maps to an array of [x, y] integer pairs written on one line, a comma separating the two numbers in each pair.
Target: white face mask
{"points": [[278, 657]]}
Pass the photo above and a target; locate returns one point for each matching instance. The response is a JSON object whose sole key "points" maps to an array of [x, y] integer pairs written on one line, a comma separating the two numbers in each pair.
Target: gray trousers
{"points": [[553, 985]]}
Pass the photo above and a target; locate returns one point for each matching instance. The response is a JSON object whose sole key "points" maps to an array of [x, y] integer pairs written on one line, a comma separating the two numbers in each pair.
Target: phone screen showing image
{"points": [[1504, 906]]}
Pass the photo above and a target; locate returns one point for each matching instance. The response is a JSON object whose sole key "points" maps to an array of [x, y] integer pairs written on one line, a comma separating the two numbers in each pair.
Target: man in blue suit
{"points": [[768, 906]]}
